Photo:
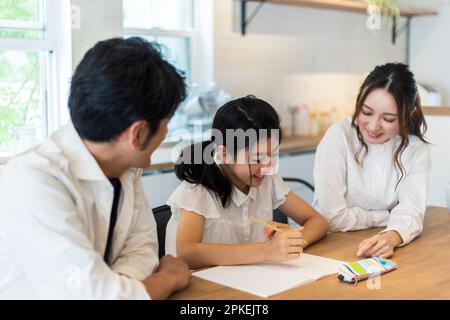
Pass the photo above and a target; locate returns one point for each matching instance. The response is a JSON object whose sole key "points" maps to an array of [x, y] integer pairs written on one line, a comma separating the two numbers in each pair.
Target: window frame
{"points": [[55, 49], [201, 40], [27, 25]]}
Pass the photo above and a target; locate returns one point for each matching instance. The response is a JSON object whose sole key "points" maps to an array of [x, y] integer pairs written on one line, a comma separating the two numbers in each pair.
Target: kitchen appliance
{"points": [[195, 115], [429, 96]]}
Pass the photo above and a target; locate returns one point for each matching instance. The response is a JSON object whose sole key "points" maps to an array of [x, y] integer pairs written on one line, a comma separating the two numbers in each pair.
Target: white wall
{"points": [[289, 39], [281, 40], [99, 20], [438, 133], [429, 60], [430, 49]]}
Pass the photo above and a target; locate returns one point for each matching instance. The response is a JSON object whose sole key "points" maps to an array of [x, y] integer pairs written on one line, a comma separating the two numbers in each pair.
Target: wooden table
{"points": [[436, 111], [423, 273]]}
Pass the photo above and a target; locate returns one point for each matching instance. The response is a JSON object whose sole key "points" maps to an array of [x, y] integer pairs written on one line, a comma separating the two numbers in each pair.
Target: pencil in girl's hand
{"points": [[266, 224]]}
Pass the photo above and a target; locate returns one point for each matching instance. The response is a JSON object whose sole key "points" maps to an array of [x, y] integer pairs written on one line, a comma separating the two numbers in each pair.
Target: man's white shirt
{"points": [[55, 207]]}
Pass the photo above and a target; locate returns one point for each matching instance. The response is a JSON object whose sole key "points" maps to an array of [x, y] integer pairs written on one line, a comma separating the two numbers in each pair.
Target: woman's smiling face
{"points": [[378, 120]]}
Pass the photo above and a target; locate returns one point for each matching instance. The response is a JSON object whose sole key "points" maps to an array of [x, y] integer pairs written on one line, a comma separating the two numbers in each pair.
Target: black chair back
{"points": [[278, 215], [162, 215]]}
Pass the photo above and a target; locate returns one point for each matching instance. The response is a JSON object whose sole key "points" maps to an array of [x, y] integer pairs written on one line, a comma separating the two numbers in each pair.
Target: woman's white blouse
{"points": [[352, 197], [229, 225]]}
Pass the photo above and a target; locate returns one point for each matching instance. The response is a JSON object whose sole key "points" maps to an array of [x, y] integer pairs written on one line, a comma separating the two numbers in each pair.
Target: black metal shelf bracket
{"points": [[246, 21], [396, 30]]}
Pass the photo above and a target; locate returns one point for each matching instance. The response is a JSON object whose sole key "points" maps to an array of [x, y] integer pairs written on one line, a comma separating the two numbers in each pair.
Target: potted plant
{"points": [[377, 8], [387, 7]]}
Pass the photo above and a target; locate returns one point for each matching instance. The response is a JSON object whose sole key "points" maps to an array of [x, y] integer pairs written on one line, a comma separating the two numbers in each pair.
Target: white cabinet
{"points": [[159, 186], [301, 166], [438, 134]]}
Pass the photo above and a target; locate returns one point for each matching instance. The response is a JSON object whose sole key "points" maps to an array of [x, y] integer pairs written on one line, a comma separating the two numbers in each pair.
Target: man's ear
{"points": [[137, 134]]}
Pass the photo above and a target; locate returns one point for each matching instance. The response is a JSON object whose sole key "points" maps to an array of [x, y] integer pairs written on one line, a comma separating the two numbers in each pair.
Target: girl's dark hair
{"points": [[244, 113], [398, 80]]}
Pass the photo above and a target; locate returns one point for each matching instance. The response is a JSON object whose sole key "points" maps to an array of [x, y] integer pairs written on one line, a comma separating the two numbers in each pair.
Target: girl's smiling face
{"points": [[263, 159], [378, 119]]}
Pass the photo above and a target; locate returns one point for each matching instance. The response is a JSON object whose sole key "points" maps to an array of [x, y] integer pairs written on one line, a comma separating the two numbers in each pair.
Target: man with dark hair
{"points": [[74, 220]]}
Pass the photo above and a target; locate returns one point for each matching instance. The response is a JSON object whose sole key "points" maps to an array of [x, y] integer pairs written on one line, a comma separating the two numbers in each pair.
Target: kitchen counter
{"points": [[436, 111], [161, 159]]}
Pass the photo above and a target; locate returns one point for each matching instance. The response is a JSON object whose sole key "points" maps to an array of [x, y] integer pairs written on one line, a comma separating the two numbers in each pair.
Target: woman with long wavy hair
{"points": [[372, 170]]}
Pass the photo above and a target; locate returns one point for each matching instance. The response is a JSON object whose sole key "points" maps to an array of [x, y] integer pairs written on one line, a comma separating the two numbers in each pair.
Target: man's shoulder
{"points": [[42, 163], [45, 157]]}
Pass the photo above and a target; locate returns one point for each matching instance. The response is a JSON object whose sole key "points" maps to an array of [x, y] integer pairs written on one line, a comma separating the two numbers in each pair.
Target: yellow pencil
{"points": [[267, 225]]}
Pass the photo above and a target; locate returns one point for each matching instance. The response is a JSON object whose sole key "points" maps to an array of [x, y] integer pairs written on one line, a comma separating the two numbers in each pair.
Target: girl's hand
{"points": [[269, 233], [285, 245], [380, 245]]}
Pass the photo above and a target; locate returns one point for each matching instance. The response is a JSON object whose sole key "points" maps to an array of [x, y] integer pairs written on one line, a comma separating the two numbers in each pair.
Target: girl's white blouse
{"points": [[352, 197], [229, 225]]}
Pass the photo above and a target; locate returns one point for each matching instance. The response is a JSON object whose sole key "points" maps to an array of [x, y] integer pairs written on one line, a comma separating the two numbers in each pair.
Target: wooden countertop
{"points": [[436, 111], [423, 271], [161, 159]]}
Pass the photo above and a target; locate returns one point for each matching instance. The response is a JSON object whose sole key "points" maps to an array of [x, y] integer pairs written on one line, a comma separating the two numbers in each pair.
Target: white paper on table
{"points": [[265, 280]]}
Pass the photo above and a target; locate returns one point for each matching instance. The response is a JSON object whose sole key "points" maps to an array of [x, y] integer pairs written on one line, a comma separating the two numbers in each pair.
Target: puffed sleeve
{"points": [[195, 198], [280, 191]]}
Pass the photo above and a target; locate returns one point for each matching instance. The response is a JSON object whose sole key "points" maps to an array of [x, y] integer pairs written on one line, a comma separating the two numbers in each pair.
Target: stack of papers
{"points": [[265, 280]]}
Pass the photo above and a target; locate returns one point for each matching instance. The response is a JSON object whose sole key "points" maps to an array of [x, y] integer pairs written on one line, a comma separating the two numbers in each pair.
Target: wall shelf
{"points": [[436, 111], [345, 5], [342, 5]]}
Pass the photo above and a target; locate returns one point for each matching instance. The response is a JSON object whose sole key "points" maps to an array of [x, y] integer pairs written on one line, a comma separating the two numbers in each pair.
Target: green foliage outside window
{"points": [[20, 88]]}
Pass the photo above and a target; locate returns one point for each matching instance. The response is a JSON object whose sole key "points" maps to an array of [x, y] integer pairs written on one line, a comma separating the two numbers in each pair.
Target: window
{"points": [[29, 78], [168, 22], [185, 29]]}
